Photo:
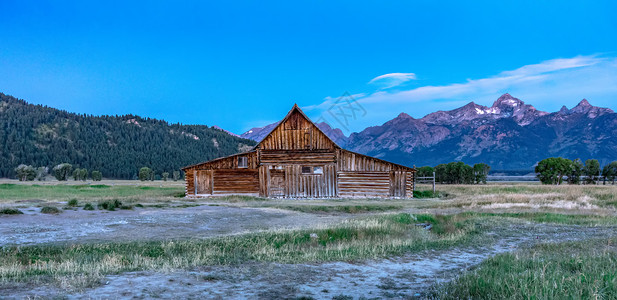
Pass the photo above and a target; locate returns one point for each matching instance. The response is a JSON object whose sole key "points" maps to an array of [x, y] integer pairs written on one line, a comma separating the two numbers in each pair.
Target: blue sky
{"points": [[243, 64]]}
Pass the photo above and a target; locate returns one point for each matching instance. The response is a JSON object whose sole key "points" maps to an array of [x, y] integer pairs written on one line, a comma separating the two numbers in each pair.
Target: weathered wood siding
{"points": [[299, 185], [364, 184], [203, 182], [350, 161], [189, 182], [296, 133], [238, 181], [297, 157]]}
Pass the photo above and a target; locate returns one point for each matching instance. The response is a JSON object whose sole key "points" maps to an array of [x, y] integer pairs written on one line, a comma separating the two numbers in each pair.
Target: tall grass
{"points": [[372, 237], [574, 270]]}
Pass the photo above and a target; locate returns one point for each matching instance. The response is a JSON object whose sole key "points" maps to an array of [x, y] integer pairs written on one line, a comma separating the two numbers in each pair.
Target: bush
{"points": [[25, 173], [77, 174], [145, 173], [176, 175], [41, 173], [62, 171], [50, 210], [165, 176], [83, 174], [96, 176], [73, 203], [10, 211], [110, 204], [88, 206]]}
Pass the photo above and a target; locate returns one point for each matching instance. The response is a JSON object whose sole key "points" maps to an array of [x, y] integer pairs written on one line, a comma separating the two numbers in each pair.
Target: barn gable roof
{"points": [[292, 111]]}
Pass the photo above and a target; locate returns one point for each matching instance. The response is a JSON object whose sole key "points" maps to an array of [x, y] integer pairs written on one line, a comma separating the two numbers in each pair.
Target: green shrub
{"points": [[50, 210], [110, 204], [428, 194], [73, 203], [96, 175], [88, 206], [10, 211]]}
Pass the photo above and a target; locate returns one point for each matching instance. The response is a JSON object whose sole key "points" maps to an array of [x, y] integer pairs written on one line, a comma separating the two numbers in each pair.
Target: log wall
{"points": [[238, 181], [364, 184]]}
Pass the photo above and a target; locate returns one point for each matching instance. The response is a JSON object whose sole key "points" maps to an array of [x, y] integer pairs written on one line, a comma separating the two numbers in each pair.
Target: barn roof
{"points": [[291, 111], [294, 109]]}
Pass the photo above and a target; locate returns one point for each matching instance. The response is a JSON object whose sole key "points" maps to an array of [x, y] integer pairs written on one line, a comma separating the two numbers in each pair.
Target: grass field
{"points": [[459, 216], [575, 270], [10, 192]]}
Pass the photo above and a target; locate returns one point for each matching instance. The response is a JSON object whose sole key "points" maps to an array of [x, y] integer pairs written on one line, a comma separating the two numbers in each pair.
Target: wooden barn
{"points": [[297, 160]]}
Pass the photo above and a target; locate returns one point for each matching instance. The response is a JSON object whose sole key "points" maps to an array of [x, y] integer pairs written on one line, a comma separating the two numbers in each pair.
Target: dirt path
{"points": [[408, 276], [147, 224]]}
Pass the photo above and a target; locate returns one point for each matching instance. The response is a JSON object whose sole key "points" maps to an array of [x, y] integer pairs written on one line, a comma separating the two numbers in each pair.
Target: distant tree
{"points": [[176, 175], [25, 173], [455, 173], [83, 174], [480, 172], [552, 170], [576, 171], [425, 171], [441, 173], [591, 170], [145, 173], [96, 176], [165, 176], [609, 172], [62, 171], [41, 173], [77, 174]]}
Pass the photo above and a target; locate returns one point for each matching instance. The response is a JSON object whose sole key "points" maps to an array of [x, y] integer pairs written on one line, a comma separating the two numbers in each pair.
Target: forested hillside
{"points": [[115, 145]]}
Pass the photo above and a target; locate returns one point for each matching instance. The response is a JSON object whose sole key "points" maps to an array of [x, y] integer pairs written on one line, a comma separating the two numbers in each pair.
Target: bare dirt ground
{"points": [[147, 224], [408, 277]]}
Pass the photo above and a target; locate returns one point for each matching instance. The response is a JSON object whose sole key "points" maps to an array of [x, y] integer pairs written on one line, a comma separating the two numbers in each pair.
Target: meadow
{"points": [[562, 238]]}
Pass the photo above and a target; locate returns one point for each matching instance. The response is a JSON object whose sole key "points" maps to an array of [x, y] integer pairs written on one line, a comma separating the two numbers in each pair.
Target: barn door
{"points": [[203, 182], [397, 184], [276, 185]]}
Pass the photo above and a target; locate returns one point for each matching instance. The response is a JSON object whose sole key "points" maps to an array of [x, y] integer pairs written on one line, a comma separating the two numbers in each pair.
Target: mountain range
{"points": [[509, 135]]}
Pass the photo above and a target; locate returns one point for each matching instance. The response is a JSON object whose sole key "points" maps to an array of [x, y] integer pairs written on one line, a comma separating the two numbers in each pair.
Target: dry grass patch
{"points": [[372, 237]]}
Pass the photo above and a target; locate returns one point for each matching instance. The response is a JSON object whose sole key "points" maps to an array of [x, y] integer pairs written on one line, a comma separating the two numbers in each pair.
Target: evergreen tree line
{"points": [[116, 146], [456, 173], [557, 170]]}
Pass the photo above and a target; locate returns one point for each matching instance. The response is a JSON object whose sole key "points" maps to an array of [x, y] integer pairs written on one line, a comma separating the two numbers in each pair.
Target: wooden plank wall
{"points": [[297, 156], [189, 182], [296, 133], [364, 184], [238, 181], [203, 182], [298, 185], [409, 186], [350, 161]]}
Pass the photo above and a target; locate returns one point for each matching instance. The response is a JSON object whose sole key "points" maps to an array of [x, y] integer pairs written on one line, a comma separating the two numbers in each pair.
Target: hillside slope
{"points": [[116, 145]]}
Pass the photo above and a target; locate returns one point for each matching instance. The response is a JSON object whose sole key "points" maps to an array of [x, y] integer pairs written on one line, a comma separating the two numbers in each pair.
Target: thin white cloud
{"points": [[546, 85], [392, 79], [504, 80]]}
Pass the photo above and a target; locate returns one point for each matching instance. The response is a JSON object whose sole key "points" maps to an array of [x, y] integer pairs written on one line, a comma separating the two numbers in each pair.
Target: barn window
{"points": [[312, 170], [243, 162]]}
